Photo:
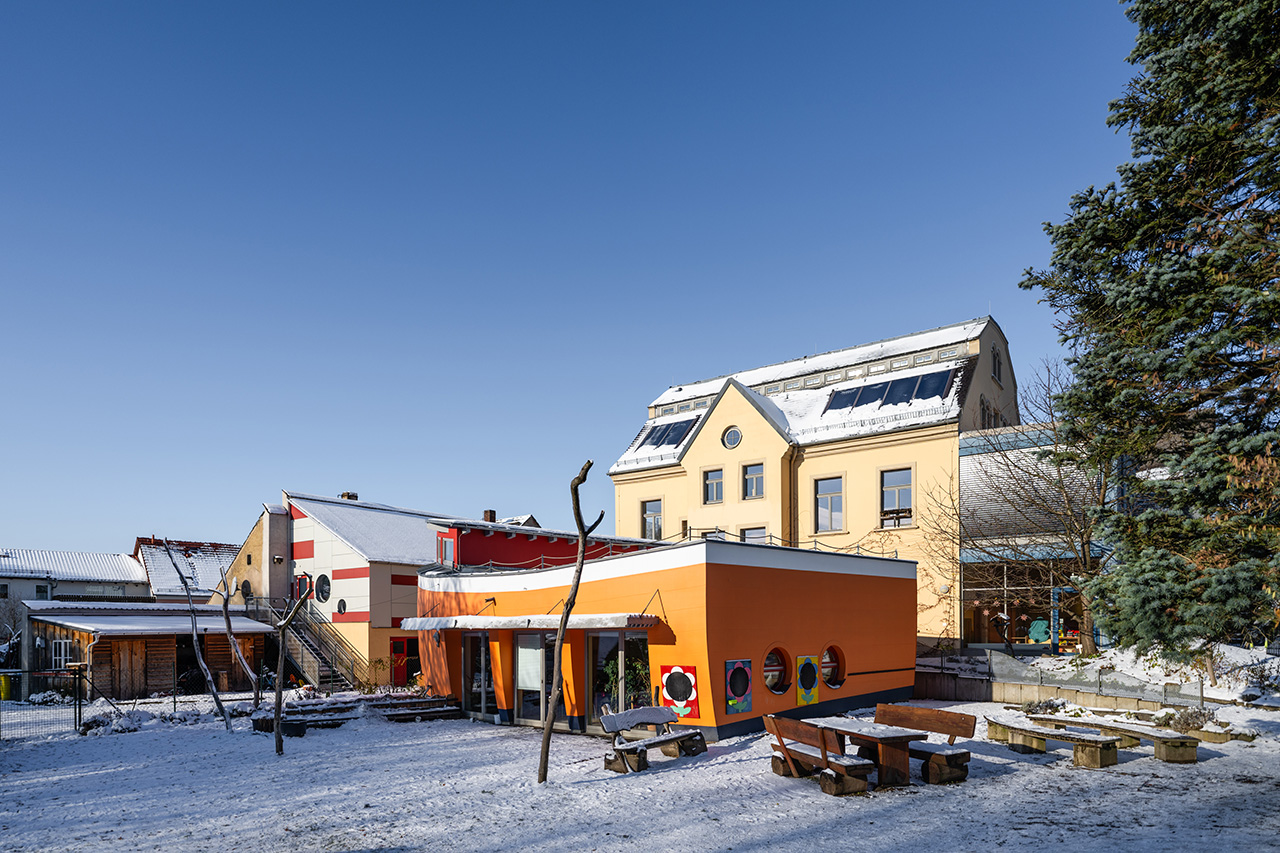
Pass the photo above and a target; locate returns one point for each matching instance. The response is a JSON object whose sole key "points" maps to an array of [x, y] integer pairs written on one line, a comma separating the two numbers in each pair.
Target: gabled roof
{"points": [[934, 394], [70, 566], [378, 532], [941, 337], [201, 563], [387, 534]]}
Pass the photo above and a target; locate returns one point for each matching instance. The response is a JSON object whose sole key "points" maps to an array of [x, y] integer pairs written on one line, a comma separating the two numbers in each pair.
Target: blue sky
{"points": [[441, 254]]}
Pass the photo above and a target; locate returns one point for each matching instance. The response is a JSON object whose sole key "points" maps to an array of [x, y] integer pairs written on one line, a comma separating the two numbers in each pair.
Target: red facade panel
{"points": [[340, 574], [304, 550]]}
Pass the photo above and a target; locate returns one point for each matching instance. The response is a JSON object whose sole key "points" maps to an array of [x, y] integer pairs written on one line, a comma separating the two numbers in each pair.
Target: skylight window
{"points": [[668, 435], [934, 385], [896, 391], [901, 391]]}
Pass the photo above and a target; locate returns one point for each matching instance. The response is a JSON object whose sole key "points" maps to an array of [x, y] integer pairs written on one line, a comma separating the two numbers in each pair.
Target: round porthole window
{"points": [[775, 671], [246, 589], [832, 667], [323, 589], [342, 605], [732, 437]]}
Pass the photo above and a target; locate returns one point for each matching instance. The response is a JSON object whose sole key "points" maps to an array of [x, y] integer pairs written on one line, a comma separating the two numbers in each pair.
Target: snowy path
{"points": [[464, 786]]}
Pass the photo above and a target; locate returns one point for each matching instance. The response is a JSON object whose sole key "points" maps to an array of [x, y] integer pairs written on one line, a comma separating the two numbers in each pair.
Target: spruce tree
{"points": [[1165, 286]]}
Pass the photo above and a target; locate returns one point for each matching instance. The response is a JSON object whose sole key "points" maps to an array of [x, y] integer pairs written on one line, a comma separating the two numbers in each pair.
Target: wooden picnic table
{"points": [[890, 744]]}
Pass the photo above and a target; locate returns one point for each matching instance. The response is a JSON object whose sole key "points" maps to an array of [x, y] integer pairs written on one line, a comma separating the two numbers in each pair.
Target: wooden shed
{"points": [[135, 650]]}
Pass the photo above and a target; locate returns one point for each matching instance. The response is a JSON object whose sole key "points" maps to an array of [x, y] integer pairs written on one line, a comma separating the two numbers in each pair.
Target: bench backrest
{"points": [[927, 719], [785, 729], [654, 715]]}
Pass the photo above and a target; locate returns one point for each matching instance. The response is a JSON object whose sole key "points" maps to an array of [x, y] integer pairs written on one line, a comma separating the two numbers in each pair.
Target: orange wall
{"points": [[712, 613]]}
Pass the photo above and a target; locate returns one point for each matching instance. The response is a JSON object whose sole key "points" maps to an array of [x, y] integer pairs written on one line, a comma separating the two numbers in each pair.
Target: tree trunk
{"points": [[195, 641], [1087, 645], [557, 687], [231, 640], [281, 627]]}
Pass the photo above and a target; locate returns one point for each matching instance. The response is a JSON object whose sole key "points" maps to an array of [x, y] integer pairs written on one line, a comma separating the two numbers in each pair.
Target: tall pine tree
{"points": [[1165, 285]]}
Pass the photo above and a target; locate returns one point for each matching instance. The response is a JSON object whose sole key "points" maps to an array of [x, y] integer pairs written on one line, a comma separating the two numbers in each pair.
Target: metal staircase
{"points": [[316, 649]]}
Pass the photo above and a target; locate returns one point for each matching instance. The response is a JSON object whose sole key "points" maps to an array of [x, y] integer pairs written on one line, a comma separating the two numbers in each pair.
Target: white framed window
{"points": [[753, 481], [758, 535], [42, 592], [713, 486], [895, 498], [445, 550], [651, 519], [773, 389], [828, 504], [901, 362], [791, 386], [948, 353], [812, 381], [835, 377], [63, 650]]}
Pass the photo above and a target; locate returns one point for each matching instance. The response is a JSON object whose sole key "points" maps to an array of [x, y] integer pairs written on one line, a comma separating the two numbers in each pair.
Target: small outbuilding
{"points": [[135, 650], [722, 632]]}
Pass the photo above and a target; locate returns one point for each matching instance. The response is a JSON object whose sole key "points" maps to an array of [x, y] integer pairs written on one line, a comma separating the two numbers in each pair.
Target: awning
{"points": [[151, 623], [538, 621]]}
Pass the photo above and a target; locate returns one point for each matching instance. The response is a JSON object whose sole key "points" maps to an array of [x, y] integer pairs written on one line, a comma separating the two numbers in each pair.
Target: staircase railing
{"points": [[316, 648]]}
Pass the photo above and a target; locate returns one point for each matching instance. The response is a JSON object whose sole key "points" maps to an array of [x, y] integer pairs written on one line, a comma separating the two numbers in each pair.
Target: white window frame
{"points": [[817, 504], [62, 651], [646, 515], [707, 498]]}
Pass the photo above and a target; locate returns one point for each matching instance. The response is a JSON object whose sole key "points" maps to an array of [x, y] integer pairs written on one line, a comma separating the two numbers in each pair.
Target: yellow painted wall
{"points": [[787, 510], [932, 455]]}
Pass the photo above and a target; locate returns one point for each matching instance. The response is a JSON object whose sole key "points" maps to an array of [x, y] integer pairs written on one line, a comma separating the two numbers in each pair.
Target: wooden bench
{"points": [[1089, 750], [804, 747], [632, 755], [939, 762], [1170, 746]]}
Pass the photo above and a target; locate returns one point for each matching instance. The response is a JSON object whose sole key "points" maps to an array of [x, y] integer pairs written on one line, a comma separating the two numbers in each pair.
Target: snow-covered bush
{"points": [[49, 697], [1047, 706], [115, 722], [1186, 719]]}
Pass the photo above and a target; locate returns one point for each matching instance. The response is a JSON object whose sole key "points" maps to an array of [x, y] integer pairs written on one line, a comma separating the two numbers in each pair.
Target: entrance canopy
{"points": [[537, 621]]}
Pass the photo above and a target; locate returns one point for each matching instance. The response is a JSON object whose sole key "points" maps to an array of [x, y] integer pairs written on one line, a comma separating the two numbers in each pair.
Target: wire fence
{"points": [[43, 703]]}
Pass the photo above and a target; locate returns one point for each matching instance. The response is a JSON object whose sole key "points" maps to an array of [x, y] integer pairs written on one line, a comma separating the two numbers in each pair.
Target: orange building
{"points": [[723, 632]]}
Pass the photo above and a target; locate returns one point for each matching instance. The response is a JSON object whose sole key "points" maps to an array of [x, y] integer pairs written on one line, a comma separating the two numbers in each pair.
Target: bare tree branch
{"points": [[557, 686]]}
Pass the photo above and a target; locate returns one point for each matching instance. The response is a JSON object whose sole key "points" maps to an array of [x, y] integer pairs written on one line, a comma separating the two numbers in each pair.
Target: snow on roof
{"points": [[810, 415], [70, 566], [201, 563], [648, 450], [837, 359], [140, 619], [378, 532]]}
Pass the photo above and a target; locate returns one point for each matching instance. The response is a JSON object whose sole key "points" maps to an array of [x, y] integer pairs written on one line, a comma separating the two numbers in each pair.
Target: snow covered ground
{"points": [[466, 786]]}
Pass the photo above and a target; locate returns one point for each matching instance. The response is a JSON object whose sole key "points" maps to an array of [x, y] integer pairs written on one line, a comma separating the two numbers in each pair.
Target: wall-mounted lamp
{"points": [[944, 589], [277, 559]]}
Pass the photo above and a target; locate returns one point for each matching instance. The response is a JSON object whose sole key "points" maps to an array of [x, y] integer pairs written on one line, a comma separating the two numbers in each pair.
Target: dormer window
{"points": [[996, 366]]}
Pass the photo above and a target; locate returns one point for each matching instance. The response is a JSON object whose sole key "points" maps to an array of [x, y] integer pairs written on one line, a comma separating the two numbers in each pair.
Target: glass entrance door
{"points": [[535, 667], [477, 676]]}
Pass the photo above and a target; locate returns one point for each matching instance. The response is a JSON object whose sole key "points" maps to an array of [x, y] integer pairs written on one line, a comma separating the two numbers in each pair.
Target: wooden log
{"points": [[940, 774], [837, 784]]}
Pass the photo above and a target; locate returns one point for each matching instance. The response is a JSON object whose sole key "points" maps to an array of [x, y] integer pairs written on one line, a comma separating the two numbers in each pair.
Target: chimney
{"points": [[490, 515], [349, 496]]}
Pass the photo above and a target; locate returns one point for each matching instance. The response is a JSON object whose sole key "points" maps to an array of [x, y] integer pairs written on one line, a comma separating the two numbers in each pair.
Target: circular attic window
{"points": [[732, 437]]}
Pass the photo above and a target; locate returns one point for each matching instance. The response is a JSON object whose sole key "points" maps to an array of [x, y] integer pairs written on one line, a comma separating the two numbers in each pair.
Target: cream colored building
{"points": [[855, 450]]}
